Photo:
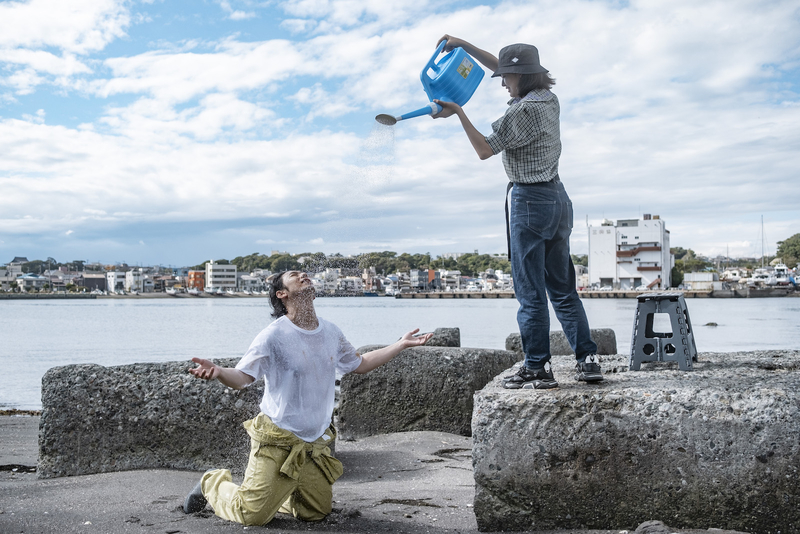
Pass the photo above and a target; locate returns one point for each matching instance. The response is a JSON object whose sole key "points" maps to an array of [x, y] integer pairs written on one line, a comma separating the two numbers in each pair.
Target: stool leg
{"points": [[643, 348]]}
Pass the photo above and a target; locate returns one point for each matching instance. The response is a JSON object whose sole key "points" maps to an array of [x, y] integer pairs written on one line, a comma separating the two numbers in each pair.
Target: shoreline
{"points": [[13, 412], [454, 295]]}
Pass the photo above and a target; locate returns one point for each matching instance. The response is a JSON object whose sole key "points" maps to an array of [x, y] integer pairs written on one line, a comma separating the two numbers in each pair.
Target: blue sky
{"points": [[174, 132]]}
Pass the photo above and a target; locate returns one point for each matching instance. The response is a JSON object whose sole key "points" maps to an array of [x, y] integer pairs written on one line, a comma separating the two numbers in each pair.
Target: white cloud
{"points": [[77, 26], [687, 110], [298, 25], [235, 14]]}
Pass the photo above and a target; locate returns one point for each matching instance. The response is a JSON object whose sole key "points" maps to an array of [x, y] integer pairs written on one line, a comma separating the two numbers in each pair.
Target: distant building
{"points": [[196, 280], [425, 279], [702, 281], [350, 284], [91, 281], [582, 276], [115, 281], [450, 280], [134, 281], [11, 271], [220, 276], [630, 253], [249, 282], [32, 281]]}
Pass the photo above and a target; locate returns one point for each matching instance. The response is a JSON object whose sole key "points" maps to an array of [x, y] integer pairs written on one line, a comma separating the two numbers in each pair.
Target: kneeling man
{"points": [[290, 469]]}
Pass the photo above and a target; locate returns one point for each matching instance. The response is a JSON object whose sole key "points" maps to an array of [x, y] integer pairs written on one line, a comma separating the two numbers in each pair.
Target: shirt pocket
{"points": [[543, 217]]}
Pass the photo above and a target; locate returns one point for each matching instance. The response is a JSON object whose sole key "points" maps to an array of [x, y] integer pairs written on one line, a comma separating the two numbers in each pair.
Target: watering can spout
{"points": [[453, 79], [431, 109]]}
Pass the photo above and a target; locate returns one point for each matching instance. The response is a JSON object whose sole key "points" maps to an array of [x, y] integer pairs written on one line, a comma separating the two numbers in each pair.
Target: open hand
{"points": [[206, 369], [410, 339]]}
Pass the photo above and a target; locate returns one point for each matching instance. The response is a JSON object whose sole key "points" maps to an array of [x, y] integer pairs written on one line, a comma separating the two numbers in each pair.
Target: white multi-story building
{"points": [[11, 272], [220, 276], [451, 280], [133, 280], [351, 284], [249, 282], [115, 281], [138, 280], [630, 254]]}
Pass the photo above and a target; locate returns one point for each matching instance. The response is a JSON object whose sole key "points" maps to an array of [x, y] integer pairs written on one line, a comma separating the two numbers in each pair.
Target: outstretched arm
{"points": [[208, 370], [478, 141], [376, 358], [487, 60]]}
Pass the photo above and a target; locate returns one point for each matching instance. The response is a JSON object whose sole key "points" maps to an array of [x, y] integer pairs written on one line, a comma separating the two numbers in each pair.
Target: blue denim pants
{"points": [[540, 226]]}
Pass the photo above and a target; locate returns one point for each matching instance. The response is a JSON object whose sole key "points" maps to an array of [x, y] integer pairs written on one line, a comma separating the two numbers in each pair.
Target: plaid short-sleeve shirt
{"points": [[529, 137]]}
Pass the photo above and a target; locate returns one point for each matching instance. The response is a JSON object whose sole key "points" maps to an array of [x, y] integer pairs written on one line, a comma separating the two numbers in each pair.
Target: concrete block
{"points": [[605, 338], [717, 447], [445, 337], [142, 416], [423, 388]]}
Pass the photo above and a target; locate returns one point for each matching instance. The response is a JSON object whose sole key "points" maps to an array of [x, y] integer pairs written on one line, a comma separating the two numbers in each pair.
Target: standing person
{"points": [[290, 467], [541, 212]]}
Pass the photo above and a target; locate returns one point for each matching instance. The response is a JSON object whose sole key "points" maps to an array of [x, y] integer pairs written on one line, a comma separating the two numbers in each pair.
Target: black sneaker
{"points": [[532, 379], [195, 501], [589, 370]]}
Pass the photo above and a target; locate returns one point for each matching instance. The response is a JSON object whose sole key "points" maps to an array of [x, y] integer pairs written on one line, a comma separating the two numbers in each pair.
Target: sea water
{"points": [[38, 335]]}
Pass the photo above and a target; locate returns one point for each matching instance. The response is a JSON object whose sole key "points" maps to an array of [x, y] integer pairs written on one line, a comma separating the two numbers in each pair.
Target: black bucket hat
{"points": [[518, 59]]}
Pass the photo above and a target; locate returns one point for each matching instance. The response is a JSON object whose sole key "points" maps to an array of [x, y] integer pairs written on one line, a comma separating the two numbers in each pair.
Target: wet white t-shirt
{"points": [[299, 369]]}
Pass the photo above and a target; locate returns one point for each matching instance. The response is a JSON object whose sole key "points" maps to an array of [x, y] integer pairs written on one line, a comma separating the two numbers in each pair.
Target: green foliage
{"points": [[385, 263], [680, 252], [580, 259], [39, 266], [676, 276], [472, 264], [686, 261], [388, 262], [789, 250]]}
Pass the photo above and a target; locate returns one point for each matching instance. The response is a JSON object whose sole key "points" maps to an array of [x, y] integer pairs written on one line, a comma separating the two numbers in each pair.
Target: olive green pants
{"points": [[283, 474]]}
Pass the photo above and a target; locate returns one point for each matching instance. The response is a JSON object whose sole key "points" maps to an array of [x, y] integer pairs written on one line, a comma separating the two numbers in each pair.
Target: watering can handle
{"points": [[431, 62], [424, 78]]}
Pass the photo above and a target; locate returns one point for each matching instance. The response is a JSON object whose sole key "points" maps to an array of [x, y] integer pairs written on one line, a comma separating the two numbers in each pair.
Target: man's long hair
{"points": [[276, 284]]}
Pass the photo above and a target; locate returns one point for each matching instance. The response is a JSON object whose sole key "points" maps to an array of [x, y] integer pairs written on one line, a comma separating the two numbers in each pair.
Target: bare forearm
{"points": [[376, 358], [485, 58], [476, 138], [234, 378]]}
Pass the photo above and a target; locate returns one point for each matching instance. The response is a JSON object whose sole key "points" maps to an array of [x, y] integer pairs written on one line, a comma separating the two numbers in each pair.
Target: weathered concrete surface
{"points": [[715, 447], [142, 416], [394, 483], [445, 337], [423, 388], [605, 338]]}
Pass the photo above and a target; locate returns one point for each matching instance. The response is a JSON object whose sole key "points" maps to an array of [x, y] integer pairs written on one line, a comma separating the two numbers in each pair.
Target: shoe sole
{"points": [[589, 377], [536, 384]]}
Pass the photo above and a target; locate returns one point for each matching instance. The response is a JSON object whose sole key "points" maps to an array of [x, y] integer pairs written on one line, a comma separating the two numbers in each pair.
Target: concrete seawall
{"points": [[714, 447]]}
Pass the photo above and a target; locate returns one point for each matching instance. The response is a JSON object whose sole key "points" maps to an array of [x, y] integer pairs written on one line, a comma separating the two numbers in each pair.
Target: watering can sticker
{"points": [[453, 79]]}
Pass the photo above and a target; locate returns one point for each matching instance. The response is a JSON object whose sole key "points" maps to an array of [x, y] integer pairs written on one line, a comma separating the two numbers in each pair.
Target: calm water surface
{"points": [[38, 335]]}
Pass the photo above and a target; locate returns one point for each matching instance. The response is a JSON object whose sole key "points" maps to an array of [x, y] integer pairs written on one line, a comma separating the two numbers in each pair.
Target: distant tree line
{"points": [[388, 262], [789, 250], [385, 263], [40, 266]]}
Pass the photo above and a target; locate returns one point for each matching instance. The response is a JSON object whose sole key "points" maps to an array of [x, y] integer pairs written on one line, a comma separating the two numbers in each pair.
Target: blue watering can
{"points": [[453, 79]]}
